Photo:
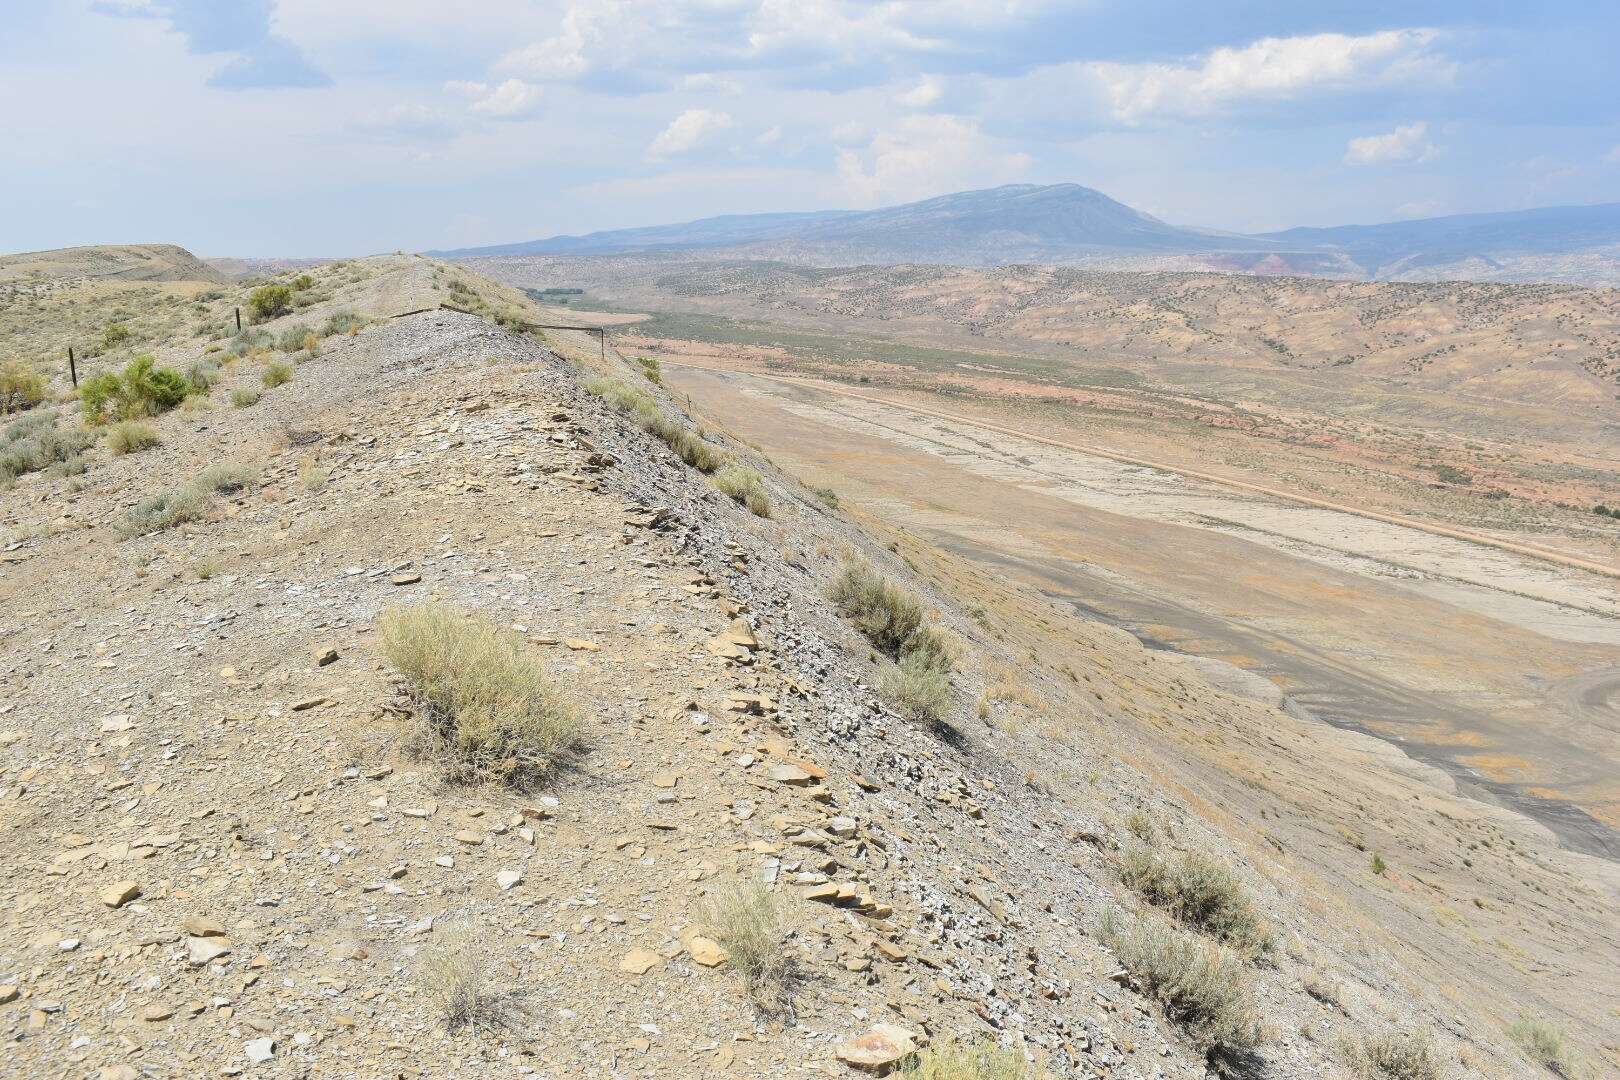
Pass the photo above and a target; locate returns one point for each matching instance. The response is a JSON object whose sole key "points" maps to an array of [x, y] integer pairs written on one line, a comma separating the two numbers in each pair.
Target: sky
{"points": [[346, 127]]}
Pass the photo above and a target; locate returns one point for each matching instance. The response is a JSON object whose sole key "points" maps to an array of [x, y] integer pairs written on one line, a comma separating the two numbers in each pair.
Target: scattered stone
{"points": [[204, 950], [639, 962], [325, 656], [307, 703], [155, 1013], [120, 893], [507, 879], [260, 1050], [882, 1047], [792, 775], [202, 926], [406, 579], [706, 951]]}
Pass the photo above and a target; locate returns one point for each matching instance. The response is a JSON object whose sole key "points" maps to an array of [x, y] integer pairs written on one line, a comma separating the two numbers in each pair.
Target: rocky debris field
{"points": [[224, 858]]}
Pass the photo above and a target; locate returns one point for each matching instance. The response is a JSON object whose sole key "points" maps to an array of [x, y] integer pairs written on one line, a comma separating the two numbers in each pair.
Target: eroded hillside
{"points": [[232, 852]]}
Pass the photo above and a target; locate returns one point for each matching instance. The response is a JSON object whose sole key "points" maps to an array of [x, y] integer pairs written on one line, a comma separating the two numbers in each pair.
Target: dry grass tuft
{"points": [[276, 374], [1202, 987], [131, 437], [980, 1061], [1401, 1056], [163, 511], [745, 922], [918, 691], [457, 976], [488, 710], [1544, 1043], [245, 397], [1200, 893], [744, 485]]}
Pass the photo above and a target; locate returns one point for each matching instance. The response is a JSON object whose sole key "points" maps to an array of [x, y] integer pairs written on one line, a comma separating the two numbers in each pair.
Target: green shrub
{"points": [[459, 979], [651, 368], [917, 691], [642, 407], [114, 335], [1402, 1056], [302, 282], [202, 375], [246, 396], [226, 478], [269, 301], [954, 1061], [131, 436], [21, 387], [1203, 987], [249, 340], [276, 374], [157, 512], [1200, 893], [745, 486], [37, 442], [295, 338], [487, 708], [827, 496], [884, 613], [342, 322], [745, 922], [142, 389], [1545, 1044]]}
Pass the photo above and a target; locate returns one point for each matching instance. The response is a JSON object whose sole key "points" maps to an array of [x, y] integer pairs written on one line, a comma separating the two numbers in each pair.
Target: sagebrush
{"points": [[745, 921], [1198, 892]]}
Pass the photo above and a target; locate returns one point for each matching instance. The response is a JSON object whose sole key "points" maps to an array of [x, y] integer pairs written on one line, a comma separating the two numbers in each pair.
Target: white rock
{"points": [[259, 1050]]}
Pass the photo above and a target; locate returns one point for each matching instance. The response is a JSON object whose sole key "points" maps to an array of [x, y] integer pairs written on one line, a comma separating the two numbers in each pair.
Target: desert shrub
{"points": [[745, 922], [1203, 987], [302, 282], [269, 301], [458, 977], [1378, 866], [225, 478], [342, 322], [745, 486], [1200, 893], [21, 387], [249, 340], [37, 442], [1544, 1043], [622, 397], [917, 691], [276, 374], [141, 389], [202, 375], [979, 1061], [113, 335], [1401, 1056], [155, 513], [245, 397], [889, 617], [488, 710], [313, 476], [650, 368], [295, 338], [131, 436], [827, 496]]}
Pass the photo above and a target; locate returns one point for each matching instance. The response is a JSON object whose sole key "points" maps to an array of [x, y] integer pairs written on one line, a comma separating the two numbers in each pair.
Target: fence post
{"points": [[238, 320], [73, 369]]}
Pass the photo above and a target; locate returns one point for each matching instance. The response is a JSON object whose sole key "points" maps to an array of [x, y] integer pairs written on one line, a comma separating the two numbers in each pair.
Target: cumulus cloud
{"points": [[687, 132], [403, 124], [1407, 143], [927, 155], [925, 93], [258, 58], [514, 99]]}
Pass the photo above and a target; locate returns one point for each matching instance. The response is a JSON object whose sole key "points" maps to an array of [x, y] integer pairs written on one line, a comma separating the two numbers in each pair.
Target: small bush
{"points": [[980, 1061], [342, 322], [745, 486], [1378, 865], [302, 282], [1403, 1056], [225, 478], [1200, 893], [918, 692], [269, 301], [130, 437], [248, 341], [276, 374], [745, 922], [141, 389], [1544, 1043], [158, 512], [202, 375], [245, 397], [114, 335], [636, 403], [651, 368], [37, 442], [827, 496], [488, 709], [458, 978], [884, 613], [296, 338], [21, 387], [1202, 987]]}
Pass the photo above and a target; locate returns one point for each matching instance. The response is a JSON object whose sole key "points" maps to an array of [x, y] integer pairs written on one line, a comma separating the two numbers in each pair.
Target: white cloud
{"points": [[1613, 156], [927, 155], [769, 135], [925, 93], [514, 99], [1270, 69], [464, 88], [1420, 208], [688, 131], [1407, 143], [707, 81], [403, 124]]}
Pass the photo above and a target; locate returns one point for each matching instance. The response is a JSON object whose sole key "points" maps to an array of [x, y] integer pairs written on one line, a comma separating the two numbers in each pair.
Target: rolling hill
{"points": [[1071, 224]]}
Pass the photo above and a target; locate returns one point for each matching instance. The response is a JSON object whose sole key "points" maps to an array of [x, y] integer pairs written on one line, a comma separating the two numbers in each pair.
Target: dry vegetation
{"points": [[745, 921]]}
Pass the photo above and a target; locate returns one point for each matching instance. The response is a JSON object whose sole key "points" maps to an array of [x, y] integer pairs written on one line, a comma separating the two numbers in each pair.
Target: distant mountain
{"points": [[1015, 223], [129, 262], [1068, 223]]}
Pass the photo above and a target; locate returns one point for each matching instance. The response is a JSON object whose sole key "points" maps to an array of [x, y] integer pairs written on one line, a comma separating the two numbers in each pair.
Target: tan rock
{"points": [[120, 893], [639, 961], [155, 1013], [324, 656], [8, 993], [706, 951], [581, 645], [880, 1048], [407, 579], [204, 950], [788, 773], [202, 926]]}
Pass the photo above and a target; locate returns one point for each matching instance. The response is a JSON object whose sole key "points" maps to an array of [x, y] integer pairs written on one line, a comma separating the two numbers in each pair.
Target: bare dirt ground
{"points": [[1459, 653]]}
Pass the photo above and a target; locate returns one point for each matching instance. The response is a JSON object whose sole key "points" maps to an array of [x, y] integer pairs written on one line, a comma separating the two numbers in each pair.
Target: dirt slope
{"points": [[225, 858], [124, 262]]}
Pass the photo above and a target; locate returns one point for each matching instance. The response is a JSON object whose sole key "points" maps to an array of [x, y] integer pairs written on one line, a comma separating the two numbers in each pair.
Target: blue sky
{"points": [[333, 127]]}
